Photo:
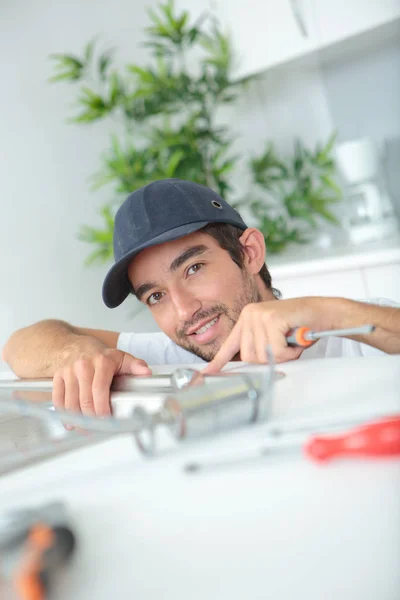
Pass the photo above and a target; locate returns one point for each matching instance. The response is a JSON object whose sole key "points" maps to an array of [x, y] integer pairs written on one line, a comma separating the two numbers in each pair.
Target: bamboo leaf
{"points": [[67, 60], [324, 212], [144, 75], [167, 9], [154, 17], [329, 146], [89, 48], [330, 183], [173, 162], [86, 117], [226, 167], [71, 75], [105, 60]]}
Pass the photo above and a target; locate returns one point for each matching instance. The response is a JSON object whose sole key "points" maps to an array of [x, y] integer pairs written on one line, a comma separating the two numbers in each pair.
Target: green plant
{"points": [[167, 114], [295, 193]]}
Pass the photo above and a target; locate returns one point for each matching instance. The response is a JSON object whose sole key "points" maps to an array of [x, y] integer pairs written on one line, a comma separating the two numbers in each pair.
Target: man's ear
{"points": [[253, 244]]}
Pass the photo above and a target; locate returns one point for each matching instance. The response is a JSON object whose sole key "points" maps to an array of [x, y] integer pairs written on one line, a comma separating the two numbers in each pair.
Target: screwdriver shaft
{"points": [[316, 335]]}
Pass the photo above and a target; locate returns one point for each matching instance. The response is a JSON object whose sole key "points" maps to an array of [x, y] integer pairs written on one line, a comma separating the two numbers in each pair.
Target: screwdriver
{"points": [[304, 336], [45, 550], [35, 545], [381, 438], [376, 439]]}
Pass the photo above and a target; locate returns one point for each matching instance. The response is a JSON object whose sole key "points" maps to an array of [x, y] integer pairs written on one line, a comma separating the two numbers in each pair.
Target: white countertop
{"points": [[306, 260], [280, 528]]}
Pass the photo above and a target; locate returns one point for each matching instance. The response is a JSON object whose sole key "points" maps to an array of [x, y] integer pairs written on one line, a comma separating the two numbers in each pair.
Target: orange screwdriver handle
{"points": [[297, 337], [378, 439], [28, 583]]}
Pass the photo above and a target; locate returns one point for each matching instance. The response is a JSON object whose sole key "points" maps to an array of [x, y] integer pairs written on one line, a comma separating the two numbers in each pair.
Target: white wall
{"points": [[45, 163], [364, 91]]}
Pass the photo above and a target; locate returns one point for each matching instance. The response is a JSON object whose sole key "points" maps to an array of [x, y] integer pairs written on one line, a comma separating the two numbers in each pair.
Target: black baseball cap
{"points": [[160, 212]]}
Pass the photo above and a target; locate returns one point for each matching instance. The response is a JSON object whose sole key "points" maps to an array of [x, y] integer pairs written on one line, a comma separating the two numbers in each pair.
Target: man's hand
{"points": [[266, 324], [82, 382]]}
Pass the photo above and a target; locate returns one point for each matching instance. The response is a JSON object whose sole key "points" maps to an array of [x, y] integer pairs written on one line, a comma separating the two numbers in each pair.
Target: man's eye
{"points": [[194, 268], [154, 298]]}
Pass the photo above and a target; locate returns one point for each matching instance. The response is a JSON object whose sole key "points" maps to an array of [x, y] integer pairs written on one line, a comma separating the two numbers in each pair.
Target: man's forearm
{"points": [[38, 350], [343, 313]]}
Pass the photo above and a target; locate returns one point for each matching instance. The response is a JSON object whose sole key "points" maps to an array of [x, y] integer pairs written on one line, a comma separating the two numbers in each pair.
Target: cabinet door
{"points": [[266, 32], [346, 284], [336, 20], [383, 281]]}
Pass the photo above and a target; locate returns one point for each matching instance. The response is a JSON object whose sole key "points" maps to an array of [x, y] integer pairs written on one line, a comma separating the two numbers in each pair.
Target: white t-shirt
{"points": [[159, 349]]}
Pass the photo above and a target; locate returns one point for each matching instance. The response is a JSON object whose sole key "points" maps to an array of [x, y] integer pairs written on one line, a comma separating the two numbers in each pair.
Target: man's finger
{"points": [[261, 343], [58, 392], [85, 371], [229, 348], [289, 353], [58, 396], [71, 392], [280, 350], [135, 366], [276, 342], [103, 376], [247, 346]]}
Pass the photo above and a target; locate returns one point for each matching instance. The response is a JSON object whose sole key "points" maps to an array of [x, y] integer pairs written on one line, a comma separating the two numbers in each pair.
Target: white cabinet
{"points": [[347, 284], [265, 32], [367, 272], [383, 281], [336, 20]]}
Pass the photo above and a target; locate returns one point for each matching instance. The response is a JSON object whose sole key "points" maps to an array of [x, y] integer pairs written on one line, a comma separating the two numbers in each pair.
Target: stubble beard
{"points": [[249, 295]]}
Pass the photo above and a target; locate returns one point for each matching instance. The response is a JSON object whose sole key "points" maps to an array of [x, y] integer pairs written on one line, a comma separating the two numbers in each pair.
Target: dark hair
{"points": [[227, 237]]}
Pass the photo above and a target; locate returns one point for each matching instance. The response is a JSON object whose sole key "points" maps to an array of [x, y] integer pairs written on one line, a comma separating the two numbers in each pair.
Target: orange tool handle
{"points": [[28, 582], [297, 337], [381, 438], [45, 549]]}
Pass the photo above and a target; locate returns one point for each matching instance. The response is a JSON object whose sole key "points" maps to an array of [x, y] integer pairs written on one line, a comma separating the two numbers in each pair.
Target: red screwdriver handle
{"points": [[381, 438]]}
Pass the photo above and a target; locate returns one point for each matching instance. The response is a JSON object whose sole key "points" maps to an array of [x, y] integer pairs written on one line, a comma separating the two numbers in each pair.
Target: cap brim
{"points": [[116, 286]]}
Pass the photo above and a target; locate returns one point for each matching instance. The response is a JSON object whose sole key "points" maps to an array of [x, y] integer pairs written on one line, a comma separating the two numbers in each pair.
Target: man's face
{"points": [[194, 290]]}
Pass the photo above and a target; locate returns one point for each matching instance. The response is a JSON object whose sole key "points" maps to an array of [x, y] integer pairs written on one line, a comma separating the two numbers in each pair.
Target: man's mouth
{"points": [[204, 328], [205, 332]]}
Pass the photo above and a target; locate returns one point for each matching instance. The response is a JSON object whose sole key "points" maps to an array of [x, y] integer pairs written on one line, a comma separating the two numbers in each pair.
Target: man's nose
{"points": [[186, 304]]}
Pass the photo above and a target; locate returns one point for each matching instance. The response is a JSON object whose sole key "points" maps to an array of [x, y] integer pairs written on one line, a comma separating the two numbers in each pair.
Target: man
{"points": [[189, 256]]}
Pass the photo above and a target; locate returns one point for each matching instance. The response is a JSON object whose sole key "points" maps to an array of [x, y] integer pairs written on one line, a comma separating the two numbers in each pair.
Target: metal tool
{"points": [[304, 337], [380, 438], [205, 406], [34, 545], [143, 384]]}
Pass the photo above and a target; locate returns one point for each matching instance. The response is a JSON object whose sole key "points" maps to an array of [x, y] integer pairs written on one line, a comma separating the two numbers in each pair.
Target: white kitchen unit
{"points": [[338, 20], [267, 33], [383, 280], [368, 271]]}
